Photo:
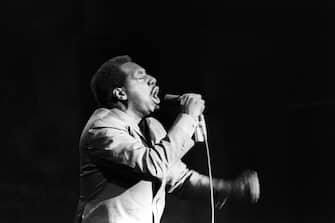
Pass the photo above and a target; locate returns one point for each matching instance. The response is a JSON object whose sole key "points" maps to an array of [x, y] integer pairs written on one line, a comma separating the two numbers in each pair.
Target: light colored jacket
{"points": [[123, 176]]}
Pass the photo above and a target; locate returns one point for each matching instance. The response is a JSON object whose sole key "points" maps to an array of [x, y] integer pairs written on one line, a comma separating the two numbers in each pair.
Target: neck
{"points": [[135, 115]]}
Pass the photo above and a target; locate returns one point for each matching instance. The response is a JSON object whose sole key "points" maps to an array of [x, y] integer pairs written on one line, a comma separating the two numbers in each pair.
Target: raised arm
{"points": [[110, 146]]}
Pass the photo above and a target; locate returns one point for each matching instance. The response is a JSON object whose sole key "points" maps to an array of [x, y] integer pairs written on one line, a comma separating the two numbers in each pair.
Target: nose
{"points": [[151, 80]]}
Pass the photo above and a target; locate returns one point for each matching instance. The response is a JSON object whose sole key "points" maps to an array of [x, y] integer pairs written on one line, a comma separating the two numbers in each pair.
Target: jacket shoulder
{"points": [[104, 118]]}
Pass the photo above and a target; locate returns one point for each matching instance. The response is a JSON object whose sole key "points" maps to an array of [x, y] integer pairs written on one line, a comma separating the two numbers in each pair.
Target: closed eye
{"points": [[141, 78], [140, 75]]}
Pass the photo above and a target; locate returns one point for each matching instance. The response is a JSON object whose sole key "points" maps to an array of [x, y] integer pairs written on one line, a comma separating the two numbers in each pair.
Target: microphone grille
{"points": [[171, 97]]}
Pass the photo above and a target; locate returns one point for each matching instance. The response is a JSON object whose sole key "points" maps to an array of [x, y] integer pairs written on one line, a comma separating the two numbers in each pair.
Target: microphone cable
{"points": [[204, 132], [210, 180]]}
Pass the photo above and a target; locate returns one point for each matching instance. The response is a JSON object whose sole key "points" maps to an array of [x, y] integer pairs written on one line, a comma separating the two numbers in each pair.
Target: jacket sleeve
{"points": [[116, 146], [191, 185]]}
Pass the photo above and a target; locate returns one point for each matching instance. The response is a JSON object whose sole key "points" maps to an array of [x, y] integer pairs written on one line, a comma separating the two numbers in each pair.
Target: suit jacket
{"points": [[123, 175]]}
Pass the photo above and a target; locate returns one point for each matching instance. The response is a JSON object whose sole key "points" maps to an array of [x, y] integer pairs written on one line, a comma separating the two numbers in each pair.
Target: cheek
{"points": [[138, 93]]}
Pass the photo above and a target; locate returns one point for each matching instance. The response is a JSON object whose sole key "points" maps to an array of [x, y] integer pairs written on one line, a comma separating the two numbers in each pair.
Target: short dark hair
{"points": [[108, 77]]}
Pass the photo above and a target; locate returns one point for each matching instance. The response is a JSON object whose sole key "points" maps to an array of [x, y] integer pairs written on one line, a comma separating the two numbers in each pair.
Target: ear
{"points": [[120, 94]]}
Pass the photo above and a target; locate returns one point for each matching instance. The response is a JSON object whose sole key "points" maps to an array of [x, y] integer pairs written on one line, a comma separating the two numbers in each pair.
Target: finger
{"points": [[195, 96], [198, 96], [254, 187], [188, 99], [183, 99], [202, 106]]}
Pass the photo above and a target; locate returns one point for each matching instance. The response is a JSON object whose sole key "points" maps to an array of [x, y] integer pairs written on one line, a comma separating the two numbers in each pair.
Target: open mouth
{"points": [[154, 95]]}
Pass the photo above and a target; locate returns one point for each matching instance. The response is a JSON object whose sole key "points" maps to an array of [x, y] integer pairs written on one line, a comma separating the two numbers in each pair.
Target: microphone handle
{"points": [[200, 133]]}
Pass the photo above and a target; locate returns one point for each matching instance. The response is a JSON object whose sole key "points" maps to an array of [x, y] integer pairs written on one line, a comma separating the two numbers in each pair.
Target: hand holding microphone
{"points": [[190, 103], [194, 105]]}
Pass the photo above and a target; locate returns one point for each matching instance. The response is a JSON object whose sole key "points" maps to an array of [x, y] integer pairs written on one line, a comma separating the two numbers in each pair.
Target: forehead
{"points": [[131, 68]]}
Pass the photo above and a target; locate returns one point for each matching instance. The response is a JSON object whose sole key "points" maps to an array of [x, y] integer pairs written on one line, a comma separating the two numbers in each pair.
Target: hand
{"points": [[192, 104], [247, 185]]}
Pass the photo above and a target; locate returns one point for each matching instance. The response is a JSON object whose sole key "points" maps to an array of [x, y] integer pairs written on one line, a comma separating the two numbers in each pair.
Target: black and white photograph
{"points": [[167, 111]]}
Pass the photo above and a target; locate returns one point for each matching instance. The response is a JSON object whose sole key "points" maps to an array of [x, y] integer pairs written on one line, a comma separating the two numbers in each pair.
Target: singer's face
{"points": [[141, 90]]}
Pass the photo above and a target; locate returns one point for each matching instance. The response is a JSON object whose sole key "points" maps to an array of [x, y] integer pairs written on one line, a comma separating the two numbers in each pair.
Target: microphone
{"points": [[200, 133], [171, 98]]}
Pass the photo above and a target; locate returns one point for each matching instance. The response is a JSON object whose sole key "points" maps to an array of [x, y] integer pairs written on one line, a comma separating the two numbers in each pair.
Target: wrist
{"points": [[186, 123], [222, 191], [194, 117], [224, 187]]}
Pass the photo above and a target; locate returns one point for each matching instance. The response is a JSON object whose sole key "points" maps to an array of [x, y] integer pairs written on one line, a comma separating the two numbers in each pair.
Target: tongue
{"points": [[156, 99]]}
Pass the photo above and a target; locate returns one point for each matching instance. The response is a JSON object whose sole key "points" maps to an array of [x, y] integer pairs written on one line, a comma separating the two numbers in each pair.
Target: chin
{"points": [[151, 110], [156, 107], [148, 111]]}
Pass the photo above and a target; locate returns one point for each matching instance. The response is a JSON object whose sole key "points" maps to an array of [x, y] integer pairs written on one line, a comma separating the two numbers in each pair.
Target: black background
{"points": [[265, 68]]}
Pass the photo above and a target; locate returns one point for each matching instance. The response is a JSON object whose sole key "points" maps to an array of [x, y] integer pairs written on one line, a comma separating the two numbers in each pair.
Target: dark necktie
{"points": [[145, 131]]}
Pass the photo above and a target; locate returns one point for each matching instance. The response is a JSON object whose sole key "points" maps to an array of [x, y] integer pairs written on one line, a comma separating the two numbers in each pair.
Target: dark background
{"points": [[265, 68]]}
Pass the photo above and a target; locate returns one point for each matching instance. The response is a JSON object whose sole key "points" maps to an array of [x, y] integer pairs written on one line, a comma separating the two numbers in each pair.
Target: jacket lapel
{"points": [[140, 134], [115, 118]]}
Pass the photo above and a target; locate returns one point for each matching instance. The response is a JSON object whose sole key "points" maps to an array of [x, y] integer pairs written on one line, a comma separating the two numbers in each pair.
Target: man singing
{"points": [[128, 161]]}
